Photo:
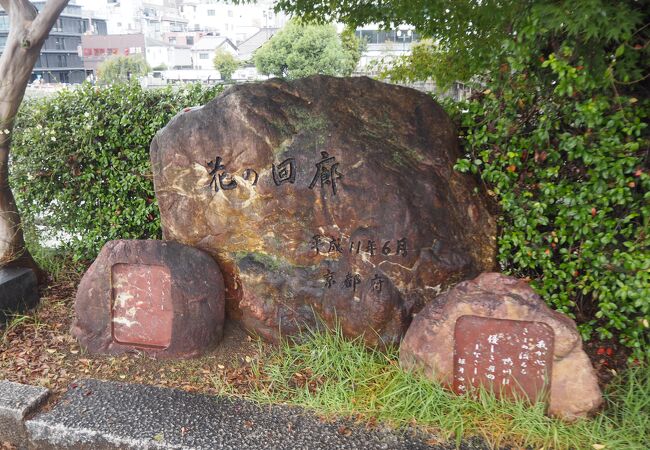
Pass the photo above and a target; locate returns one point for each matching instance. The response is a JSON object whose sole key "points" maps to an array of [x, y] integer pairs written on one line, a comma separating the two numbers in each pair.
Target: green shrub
{"points": [[567, 160], [122, 69], [80, 161]]}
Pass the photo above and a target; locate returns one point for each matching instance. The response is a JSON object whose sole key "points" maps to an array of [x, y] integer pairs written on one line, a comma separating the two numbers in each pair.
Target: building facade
{"points": [[204, 51], [98, 48], [60, 60]]}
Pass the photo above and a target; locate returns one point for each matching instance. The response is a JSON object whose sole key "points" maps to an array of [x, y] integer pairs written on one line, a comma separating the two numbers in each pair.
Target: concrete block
{"points": [[18, 290], [17, 401]]}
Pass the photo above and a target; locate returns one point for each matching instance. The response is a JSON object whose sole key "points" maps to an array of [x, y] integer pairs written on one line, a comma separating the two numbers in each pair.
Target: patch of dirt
{"points": [[38, 349], [608, 358]]}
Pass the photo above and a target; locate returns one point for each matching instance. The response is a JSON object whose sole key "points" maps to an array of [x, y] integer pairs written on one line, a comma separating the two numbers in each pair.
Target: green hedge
{"points": [[80, 161], [567, 160]]}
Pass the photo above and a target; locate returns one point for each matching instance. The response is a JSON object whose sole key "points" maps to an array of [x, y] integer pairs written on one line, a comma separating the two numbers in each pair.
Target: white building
{"points": [[204, 50], [383, 46], [236, 22], [151, 17]]}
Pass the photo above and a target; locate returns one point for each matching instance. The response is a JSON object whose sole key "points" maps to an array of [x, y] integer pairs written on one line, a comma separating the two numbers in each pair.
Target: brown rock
{"points": [[163, 298], [429, 342], [323, 196]]}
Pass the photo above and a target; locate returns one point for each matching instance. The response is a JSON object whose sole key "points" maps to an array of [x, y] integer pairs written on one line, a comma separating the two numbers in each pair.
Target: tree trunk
{"points": [[28, 30]]}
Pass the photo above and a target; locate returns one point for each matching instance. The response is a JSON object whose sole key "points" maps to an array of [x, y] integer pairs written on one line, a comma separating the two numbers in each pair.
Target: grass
{"points": [[56, 262], [334, 376], [14, 321]]}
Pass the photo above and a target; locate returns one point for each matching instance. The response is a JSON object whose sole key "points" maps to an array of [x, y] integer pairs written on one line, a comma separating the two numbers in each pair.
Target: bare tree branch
{"points": [[43, 23]]}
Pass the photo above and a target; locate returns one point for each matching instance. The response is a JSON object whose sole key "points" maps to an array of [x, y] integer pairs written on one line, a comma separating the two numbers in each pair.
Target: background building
{"points": [[383, 45], [236, 22], [98, 48], [204, 50], [60, 60], [180, 35]]}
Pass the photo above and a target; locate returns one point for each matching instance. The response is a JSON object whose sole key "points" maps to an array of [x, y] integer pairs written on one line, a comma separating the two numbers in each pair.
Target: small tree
{"points": [[354, 48], [122, 69], [302, 50], [28, 29], [225, 63]]}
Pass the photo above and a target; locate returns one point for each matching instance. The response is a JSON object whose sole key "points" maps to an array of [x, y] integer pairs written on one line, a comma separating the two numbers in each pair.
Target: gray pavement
{"points": [[98, 414]]}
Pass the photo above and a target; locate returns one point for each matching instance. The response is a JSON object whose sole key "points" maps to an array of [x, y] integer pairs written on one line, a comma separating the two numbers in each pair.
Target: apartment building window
{"points": [[61, 61], [59, 44], [4, 23], [189, 40], [211, 12], [204, 56]]}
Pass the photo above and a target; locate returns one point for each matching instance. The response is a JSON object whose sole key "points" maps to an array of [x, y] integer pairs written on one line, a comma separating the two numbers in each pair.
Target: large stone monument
{"points": [[330, 197]]}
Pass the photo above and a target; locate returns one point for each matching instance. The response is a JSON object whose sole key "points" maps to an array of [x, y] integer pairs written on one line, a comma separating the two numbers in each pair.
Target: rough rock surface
{"points": [[428, 345], [162, 298], [330, 197]]}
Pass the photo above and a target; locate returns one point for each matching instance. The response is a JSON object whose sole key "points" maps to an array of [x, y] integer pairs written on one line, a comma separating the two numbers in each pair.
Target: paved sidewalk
{"points": [[98, 414]]}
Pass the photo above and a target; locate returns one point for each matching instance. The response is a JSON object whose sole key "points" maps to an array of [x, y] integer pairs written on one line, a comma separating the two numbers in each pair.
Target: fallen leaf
{"points": [[345, 431]]}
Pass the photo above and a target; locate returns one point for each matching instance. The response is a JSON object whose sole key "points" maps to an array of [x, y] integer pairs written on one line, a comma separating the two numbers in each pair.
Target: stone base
{"points": [[18, 290]]}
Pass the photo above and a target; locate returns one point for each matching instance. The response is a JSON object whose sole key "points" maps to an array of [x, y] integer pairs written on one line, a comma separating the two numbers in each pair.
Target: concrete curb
{"points": [[99, 415], [17, 401]]}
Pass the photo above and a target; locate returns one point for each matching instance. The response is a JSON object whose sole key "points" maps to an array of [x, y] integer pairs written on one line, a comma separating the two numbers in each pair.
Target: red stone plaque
{"points": [[142, 305], [512, 358]]}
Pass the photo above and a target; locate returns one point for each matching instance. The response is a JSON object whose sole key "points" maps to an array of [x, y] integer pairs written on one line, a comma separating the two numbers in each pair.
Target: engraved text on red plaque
{"points": [[510, 357], [142, 305]]}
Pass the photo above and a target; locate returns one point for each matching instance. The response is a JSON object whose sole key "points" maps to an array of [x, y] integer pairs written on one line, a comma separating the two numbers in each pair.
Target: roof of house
{"points": [[248, 47], [212, 43]]}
